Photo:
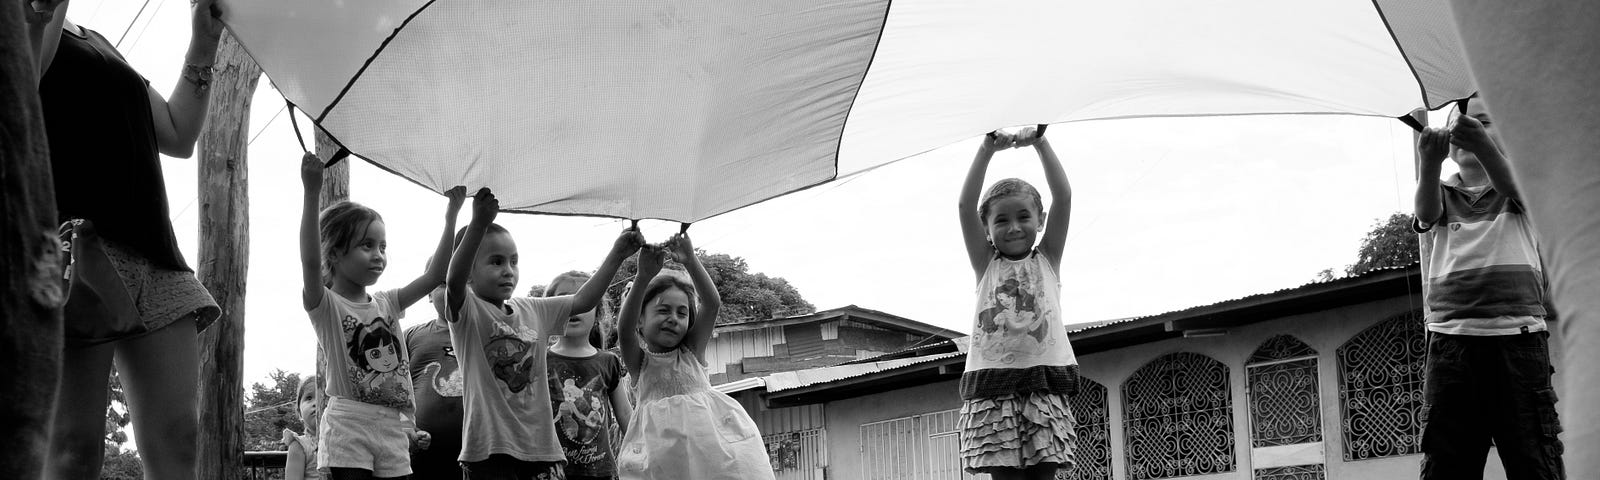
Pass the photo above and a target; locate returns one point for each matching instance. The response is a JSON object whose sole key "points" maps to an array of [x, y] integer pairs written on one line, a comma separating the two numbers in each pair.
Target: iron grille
{"points": [[1285, 407], [1380, 388], [1297, 472], [1178, 418], [1093, 454]]}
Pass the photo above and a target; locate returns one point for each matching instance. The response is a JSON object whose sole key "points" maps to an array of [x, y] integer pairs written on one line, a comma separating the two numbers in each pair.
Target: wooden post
{"points": [[336, 179], [31, 295], [224, 256]]}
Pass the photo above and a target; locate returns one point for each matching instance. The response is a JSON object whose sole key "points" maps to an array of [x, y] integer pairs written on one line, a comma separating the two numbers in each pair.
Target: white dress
{"points": [[682, 429]]}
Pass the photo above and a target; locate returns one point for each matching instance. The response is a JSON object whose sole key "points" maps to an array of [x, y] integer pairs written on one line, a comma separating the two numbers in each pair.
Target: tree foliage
{"points": [[117, 463], [1390, 243], [271, 409]]}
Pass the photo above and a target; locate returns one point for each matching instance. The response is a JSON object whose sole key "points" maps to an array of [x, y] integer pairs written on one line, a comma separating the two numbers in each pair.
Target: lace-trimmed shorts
{"points": [[162, 296]]}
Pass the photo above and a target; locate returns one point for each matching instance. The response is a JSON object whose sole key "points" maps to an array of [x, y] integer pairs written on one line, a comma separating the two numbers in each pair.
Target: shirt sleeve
{"points": [[547, 313], [389, 303], [612, 370], [324, 307]]}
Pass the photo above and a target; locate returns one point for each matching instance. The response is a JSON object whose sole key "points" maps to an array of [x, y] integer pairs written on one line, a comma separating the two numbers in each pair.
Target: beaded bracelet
{"points": [[199, 75]]}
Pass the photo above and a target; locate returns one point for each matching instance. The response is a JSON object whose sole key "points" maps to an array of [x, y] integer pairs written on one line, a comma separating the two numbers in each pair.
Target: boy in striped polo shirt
{"points": [[1488, 369]]}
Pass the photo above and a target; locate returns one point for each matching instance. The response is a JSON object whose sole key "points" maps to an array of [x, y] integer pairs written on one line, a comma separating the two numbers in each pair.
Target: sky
{"points": [[1167, 213]]}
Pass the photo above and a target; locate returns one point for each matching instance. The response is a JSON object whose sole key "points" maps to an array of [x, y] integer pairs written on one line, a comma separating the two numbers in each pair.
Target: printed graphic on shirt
{"points": [[511, 356], [449, 384], [581, 420], [377, 368], [1014, 318]]}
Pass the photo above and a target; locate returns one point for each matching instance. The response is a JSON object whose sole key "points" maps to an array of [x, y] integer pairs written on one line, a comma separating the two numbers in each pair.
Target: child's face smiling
{"points": [[1013, 225], [579, 324], [494, 270], [365, 258], [666, 320]]}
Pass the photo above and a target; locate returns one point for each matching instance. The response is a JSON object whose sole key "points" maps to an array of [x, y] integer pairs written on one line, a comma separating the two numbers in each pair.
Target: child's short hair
{"points": [[669, 279], [342, 223], [311, 381], [461, 233], [1006, 188], [602, 312]]}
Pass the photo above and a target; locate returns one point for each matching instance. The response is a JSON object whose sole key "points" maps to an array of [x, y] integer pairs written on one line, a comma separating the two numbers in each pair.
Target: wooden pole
{"points": [[224, 256], [31, 296], [336, 179]]}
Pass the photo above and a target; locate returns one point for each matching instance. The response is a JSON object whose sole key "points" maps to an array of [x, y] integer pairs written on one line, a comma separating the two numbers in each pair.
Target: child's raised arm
{"points": [[589, 295], [440, 261], [972, 228], [310, 235], [1432, 148], [484, 209], [621, 407], [710, 302], [1059, 216], [628, 319]]}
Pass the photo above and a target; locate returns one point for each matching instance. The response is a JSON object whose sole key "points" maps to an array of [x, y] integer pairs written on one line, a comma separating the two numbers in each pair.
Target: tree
{"points": [[30, 302], [117, 463], [224, 259], [273, 407], [1391, 243]]}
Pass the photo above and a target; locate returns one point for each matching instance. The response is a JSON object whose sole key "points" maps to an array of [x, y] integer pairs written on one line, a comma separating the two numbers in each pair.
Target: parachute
{"points": [[682, 110]]}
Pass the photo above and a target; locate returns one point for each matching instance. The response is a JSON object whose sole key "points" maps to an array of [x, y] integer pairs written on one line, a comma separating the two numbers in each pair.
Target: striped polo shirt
{"points": [[1480, 263]]}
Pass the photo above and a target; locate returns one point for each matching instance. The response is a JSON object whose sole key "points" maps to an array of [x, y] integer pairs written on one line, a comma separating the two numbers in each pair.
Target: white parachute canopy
{"points": [[685, 109]]}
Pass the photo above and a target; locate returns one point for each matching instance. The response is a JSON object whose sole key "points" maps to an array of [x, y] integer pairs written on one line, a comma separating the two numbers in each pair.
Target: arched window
{"points": [[1285, 410], [1178, 418], [1380, 388], [1093, 454]]}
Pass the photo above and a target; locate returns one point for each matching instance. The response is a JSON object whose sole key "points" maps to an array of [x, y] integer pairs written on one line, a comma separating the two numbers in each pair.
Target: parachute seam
{"points": [[368, 63], [1422, 89], [862, 84]]}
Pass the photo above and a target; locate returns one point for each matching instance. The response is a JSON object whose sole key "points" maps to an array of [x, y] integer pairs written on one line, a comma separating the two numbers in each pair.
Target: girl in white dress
{"points": [[681, 428]]}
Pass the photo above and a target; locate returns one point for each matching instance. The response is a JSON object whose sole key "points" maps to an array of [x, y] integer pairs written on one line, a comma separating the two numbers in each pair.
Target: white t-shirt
{"points": [[502, 361], [366, 359]]}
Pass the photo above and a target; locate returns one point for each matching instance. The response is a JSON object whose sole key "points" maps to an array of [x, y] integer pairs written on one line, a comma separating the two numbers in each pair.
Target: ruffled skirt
{"points": [[1016, 431]]}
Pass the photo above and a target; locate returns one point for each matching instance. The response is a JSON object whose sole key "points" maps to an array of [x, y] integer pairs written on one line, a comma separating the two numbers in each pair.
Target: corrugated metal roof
{"points": [[740, 385], [800, 378], [1373, 272]]}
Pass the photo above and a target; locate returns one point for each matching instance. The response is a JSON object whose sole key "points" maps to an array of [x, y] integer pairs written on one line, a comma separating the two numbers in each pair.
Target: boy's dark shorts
{"points": [[1480, 389]]}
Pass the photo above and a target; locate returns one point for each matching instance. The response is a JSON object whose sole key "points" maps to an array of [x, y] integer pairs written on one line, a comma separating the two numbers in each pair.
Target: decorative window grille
{"points": [[1093, 454], [1285, 407], [1178, 418], [1297, 472], [1380, 388]]}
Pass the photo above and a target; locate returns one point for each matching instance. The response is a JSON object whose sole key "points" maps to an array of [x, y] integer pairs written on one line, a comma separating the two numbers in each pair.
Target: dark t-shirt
{"points": [[580, 396], [103, 150], [436, 382]]}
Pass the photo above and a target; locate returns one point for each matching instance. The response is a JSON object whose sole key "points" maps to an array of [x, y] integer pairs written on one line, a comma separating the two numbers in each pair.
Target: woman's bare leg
{"points": [[77, 444], [159, 374]]}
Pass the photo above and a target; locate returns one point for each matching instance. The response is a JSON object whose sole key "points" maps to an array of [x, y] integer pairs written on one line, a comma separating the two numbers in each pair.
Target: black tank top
{"points": [[103, 148]]}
